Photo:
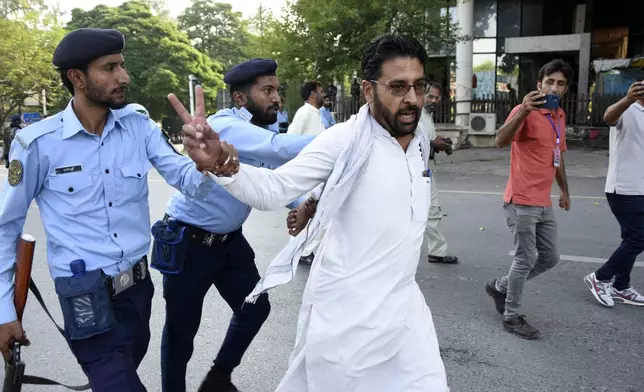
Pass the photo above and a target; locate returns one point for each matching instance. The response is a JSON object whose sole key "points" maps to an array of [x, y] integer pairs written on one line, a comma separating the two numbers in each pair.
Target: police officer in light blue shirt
{"points": [[217, 252], [281, 125], [87, 169], [325, 112]]}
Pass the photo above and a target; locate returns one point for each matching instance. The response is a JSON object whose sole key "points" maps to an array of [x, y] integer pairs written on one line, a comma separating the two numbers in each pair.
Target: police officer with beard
{"points": [[87, 167], [199, 244]]}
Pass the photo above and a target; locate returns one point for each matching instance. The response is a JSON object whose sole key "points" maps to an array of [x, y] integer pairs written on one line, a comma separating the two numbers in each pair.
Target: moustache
{"points": [[413, 108]]}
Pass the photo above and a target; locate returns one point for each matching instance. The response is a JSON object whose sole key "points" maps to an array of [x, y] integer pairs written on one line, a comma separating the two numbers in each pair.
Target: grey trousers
{"points": [[536, 250]]}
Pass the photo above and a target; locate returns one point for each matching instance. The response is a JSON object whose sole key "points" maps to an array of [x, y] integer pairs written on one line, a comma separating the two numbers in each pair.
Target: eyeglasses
{"points": [[400, 89]]}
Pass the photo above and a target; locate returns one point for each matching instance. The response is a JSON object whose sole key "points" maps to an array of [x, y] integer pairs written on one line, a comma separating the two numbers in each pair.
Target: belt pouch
{"points": [[86, 303], [170, 248]]}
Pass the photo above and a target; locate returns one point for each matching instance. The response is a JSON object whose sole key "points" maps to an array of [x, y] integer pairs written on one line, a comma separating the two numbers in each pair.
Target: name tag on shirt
{"points": [[69, 169]]}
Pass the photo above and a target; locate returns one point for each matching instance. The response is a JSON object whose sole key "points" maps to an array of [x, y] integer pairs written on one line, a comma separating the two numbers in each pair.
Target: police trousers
{"points": [[230, 267], [110, 359]]}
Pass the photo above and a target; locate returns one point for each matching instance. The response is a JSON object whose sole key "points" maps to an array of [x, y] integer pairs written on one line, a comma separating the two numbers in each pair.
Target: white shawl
{"points": [[346, 172]]}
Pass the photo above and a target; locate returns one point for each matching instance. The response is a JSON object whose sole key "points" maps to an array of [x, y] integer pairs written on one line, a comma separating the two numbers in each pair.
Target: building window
{"points": [[532, 18], [484, 18], [507, 84], [509, 18], [484, 45], [484, 66]]}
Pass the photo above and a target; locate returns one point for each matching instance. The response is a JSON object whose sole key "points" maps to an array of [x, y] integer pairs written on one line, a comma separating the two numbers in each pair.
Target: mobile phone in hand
{"points": [[552, 102]]}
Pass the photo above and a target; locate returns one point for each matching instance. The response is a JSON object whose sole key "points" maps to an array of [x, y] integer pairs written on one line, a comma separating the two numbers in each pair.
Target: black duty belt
{"points": [[202, 237], [126, 279]]}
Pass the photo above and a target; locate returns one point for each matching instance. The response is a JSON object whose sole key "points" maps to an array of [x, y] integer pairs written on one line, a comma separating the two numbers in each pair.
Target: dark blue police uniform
{"points": [[201, 244]]}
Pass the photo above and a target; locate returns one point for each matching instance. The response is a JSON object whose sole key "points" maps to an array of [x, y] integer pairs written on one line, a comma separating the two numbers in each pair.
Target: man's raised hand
{"points": [[208, 152], [200, 108], [201, 142]]}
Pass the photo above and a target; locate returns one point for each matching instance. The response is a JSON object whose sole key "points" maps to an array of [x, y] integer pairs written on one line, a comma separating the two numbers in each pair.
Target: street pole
{"points": [[192, 95]]}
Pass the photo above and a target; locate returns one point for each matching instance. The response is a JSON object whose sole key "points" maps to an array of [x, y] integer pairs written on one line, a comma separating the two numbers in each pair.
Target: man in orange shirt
{"points": [[538, 139]]}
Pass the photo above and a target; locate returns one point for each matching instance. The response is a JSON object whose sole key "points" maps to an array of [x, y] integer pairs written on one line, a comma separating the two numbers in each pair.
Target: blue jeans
{"points": [[111, 359], [629, 212], [230, 267]]}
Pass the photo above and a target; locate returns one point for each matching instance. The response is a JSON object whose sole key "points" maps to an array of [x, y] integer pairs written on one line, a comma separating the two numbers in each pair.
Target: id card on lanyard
{"points": [[555, 127]]}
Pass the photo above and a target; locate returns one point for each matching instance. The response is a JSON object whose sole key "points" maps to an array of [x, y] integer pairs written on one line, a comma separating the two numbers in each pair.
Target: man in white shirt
{"points": [[434, 240], [307, 119], [625, 195], [364, 324]]}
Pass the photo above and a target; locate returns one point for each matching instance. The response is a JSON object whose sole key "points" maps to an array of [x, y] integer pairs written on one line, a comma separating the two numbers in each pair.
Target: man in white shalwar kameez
{"points": [[364, 325]]}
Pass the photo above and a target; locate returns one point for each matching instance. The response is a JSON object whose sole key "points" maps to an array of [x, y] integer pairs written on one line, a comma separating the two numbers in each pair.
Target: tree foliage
{"points": [[328, 41], [159, 57], [158, 7], [19, 8], [28, 41], [216, 30]]}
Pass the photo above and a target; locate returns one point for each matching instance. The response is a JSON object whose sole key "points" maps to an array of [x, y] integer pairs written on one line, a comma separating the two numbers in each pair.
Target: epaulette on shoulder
{"points": [[27, 135], [129, 111]]}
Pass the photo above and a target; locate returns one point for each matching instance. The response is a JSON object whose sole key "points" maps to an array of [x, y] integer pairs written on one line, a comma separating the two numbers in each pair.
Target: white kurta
{"points": [[364, 325], [307, 121]]}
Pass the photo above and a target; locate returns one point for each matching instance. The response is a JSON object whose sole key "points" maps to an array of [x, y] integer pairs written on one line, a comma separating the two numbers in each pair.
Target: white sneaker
{"points": [[601, 290], [628, 296]]}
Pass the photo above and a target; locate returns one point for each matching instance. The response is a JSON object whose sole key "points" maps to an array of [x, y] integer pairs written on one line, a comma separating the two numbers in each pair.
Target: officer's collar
{"points": [[243, 113], [72, 125]]}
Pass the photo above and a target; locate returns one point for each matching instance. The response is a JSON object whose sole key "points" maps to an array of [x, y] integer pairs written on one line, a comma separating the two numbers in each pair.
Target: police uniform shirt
{"points": [[92, 192], [220, 212]]}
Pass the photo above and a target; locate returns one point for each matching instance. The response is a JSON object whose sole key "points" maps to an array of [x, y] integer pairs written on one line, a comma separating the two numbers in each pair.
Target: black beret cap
{"points": [[82, 46], [247, 71]]}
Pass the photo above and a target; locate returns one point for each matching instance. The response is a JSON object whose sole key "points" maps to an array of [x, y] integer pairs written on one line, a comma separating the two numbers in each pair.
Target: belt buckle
{"points": [[123, 281], [208, 239]]}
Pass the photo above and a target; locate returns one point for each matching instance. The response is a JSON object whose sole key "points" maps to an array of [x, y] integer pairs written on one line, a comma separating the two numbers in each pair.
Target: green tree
{"points": [[331, 39], [215, 29], [326, 43], [158, 56], [29, 38], [159, 8], [487, 65], [19, 8]]}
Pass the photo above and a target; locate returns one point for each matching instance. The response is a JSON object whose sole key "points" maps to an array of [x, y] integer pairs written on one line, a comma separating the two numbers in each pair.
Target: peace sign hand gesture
{"points": [[201, 142]]}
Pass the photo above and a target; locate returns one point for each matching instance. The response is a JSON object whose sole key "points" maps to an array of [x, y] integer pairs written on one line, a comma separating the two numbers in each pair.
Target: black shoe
{"points": [[442, 260], [217, 381], [518, 326], [497, 296], [307, 260]]}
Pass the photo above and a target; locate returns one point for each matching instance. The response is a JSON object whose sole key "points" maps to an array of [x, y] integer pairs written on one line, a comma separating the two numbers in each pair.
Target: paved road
{"points": [[584, 347]]}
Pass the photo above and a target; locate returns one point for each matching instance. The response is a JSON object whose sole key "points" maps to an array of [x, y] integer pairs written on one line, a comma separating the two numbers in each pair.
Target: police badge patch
{"points": [[15, 172]]}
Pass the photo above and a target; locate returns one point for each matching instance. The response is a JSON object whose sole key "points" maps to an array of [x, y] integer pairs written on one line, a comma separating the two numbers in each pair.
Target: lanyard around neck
{"points": [[554, 127]]}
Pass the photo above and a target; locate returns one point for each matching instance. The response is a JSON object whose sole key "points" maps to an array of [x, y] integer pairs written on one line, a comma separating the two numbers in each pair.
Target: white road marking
{"points": [[501, 194], [4, 174], [585, 259]]}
